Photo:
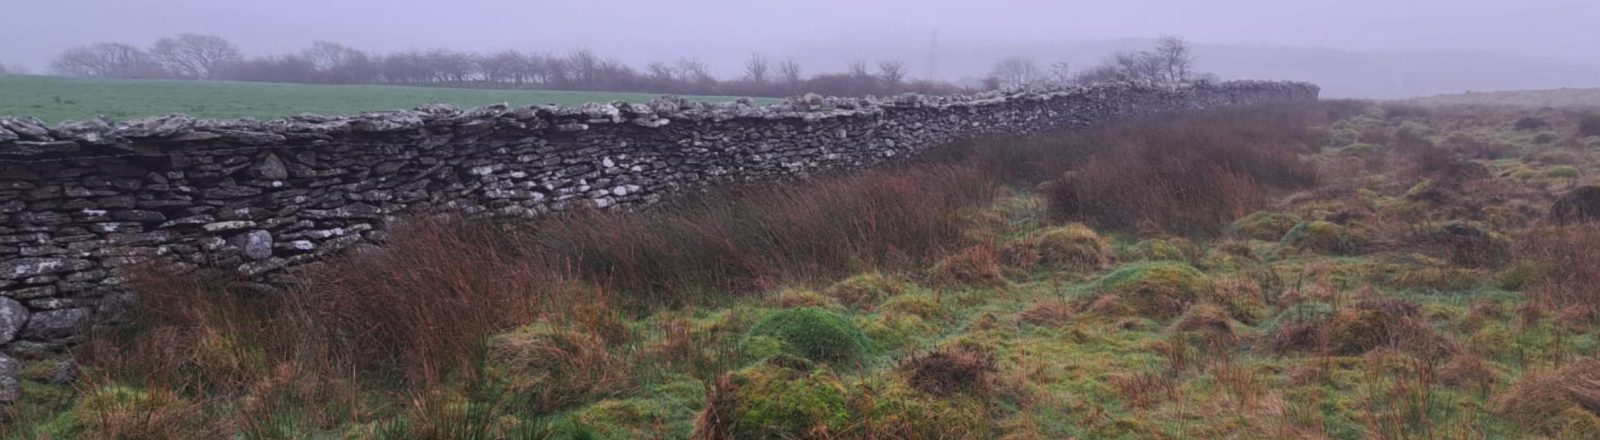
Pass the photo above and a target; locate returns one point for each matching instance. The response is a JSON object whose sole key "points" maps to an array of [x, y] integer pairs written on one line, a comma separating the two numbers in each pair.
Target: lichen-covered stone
{"points": [[55, 324], [13, 315]]}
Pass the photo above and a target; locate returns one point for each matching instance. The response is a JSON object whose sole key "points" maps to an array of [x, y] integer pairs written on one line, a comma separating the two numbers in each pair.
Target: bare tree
{"points": [[1060, 73], [858, 69], [757, 70], [789, 72], [1171, 62], [692, 70], [106, 60], [195, 56], [661, 71], [585, 66], [1098, 74], [1016, 71], [1174, 58], [337, 63], [1137, 66], [504, 67], [893, 73], [451, 67]]}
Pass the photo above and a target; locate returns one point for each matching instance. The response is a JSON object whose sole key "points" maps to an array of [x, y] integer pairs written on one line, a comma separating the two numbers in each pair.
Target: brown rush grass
{"points": [[1566, 265], [1191, 174], [756, 239], [424, 302]]}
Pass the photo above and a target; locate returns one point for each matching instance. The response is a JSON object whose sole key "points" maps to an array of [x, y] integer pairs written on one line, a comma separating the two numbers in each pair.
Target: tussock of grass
{"points": [[814, 334], [1156, 290]]}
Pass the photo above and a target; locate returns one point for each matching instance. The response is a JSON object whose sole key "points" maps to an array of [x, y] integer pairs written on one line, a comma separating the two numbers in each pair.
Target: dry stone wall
{"points": [[83, 199]]}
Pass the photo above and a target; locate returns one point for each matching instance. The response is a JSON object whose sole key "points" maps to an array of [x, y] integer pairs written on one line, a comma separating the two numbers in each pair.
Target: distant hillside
{"points": [[1557, 98]]}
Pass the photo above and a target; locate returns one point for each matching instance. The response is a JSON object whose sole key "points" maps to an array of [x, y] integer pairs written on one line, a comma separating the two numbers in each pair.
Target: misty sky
{"points": [[723, 32]]}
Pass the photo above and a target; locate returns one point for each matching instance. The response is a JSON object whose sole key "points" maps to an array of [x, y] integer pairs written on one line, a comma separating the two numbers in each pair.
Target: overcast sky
{"points": [[725, 31]]}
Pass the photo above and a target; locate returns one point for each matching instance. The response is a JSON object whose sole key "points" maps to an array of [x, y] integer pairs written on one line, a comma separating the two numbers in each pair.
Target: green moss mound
{"points": [[1265, 226], [811, 333], [783, 398], [1323, 237], [1159, 289]]}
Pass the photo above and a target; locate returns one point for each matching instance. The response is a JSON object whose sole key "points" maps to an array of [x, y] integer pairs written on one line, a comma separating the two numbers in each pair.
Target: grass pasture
{"points": [[59, 99], [1554, 98], [1331, 270]]}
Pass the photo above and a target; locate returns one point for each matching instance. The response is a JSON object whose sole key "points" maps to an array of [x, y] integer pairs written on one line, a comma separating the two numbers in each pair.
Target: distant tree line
{"points": [[209, 57], [1172, 61]]}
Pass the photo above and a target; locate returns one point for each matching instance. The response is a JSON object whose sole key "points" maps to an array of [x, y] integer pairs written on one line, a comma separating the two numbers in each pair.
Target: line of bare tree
{"points": [[1171, 61], [207, 57]]}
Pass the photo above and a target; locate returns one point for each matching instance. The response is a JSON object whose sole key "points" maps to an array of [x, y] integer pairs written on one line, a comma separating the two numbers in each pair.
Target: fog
{"points": [[1359, 48]]}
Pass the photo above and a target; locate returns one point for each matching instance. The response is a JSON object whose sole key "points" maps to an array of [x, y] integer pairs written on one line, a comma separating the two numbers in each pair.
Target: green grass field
{"points": [[58, 99], [1556, 98]]}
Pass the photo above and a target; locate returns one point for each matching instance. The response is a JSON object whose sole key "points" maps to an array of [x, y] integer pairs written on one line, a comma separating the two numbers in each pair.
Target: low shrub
{"points": [[813, 334], [1156, 290]]}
